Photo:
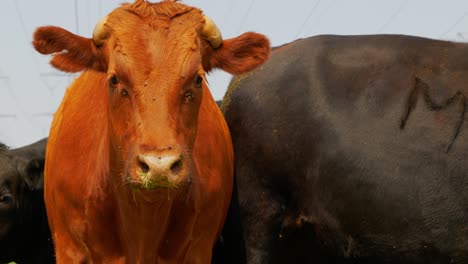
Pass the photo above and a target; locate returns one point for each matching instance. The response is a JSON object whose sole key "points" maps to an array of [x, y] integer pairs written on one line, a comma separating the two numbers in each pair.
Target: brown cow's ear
{"points": [[71, 53], [241, 54]]}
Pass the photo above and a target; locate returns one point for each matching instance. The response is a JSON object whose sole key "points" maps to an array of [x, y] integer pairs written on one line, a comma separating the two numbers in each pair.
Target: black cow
{"points": [[351, 149], [24, 232]]}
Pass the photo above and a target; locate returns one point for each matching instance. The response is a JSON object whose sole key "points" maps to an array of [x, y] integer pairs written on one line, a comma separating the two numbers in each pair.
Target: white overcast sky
{"points": [[30, 90]]}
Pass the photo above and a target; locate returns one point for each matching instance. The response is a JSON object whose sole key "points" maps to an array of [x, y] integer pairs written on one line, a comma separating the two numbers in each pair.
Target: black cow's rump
{"points": [[24, 231], [352, 150]]}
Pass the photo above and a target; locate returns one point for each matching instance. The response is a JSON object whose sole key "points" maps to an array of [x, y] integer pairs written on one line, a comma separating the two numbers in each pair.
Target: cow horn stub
{"points": [[211, 32], [100, 32]]}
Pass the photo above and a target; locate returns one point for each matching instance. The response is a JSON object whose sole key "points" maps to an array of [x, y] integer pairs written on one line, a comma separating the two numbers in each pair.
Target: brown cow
{"points": [[139, 161]]}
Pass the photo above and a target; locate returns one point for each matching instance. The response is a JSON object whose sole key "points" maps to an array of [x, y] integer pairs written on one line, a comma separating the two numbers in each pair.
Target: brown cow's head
{"points": [[155, 57]]}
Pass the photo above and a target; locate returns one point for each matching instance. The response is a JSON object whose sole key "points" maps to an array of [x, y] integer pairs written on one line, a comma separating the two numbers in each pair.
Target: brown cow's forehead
{"points": [[164, 9], [168, 23], [144, 41]]}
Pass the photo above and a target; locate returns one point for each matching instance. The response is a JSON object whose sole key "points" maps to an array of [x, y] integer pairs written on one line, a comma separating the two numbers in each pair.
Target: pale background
{"points": [[31, 90]]}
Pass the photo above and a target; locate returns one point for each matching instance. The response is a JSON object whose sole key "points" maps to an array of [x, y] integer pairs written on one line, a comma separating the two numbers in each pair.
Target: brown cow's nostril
{"points": [[176, 167], [161, 165], [144, 167]]}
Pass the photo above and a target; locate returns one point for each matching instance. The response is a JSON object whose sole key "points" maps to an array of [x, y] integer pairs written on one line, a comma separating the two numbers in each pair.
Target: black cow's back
{"points": [[353, 149]]}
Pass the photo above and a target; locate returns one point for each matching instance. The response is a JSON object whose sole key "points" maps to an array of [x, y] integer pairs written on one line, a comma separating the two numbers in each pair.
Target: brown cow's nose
{"points": [[164, 165]]}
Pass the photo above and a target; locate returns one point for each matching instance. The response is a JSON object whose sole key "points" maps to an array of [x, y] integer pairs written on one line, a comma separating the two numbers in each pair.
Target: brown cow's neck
{"points": [[165, 219]]}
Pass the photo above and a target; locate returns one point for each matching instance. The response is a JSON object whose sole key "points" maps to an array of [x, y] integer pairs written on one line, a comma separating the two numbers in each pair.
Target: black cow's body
{"points": [[352, 149], [24, 232]]}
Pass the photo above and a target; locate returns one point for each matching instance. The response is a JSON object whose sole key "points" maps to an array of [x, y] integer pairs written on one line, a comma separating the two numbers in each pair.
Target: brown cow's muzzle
{"points": [[160, 169]]}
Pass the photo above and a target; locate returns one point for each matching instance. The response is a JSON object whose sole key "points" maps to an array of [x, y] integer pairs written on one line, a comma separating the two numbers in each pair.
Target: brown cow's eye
{"points": [[114, 80], [198, 81]]}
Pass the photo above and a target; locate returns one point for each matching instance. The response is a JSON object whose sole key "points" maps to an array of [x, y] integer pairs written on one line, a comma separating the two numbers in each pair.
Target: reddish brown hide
{"points": [[139, 160]]}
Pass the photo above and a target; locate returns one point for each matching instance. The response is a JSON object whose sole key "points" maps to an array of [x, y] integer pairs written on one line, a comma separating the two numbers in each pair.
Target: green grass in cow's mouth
{"points": [[151, 184]]}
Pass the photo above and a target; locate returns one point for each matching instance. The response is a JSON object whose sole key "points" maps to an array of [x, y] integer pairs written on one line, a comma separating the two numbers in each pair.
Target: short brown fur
{"points": [[142, 96]]}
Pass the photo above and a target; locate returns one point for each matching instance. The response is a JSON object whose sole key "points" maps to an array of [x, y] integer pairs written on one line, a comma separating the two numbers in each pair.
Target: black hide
{"points": [[351, 149]]}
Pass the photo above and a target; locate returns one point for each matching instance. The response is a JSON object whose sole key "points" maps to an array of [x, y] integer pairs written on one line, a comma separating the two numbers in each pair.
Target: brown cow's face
{"points": [[155, 81], [155, 57]]}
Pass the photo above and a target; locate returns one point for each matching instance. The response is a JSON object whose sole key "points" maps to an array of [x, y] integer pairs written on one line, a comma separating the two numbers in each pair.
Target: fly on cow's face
{"points": [[114, 82], [189, 97], [123, 92]]}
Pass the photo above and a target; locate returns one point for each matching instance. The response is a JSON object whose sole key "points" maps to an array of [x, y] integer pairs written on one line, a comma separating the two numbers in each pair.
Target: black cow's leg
{"points": [[261, 214]]}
